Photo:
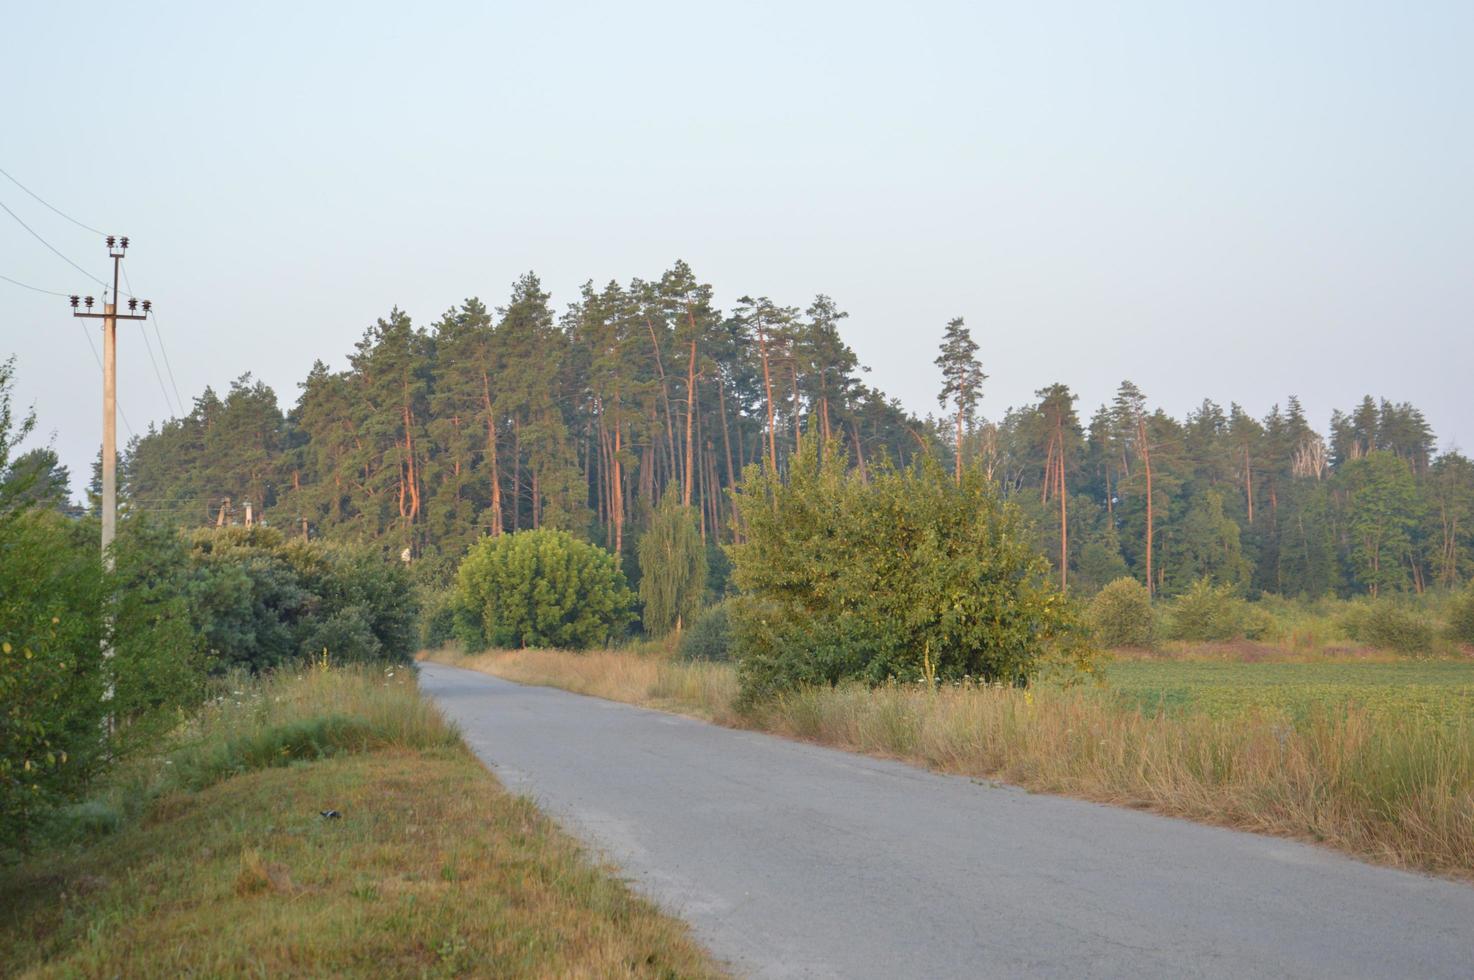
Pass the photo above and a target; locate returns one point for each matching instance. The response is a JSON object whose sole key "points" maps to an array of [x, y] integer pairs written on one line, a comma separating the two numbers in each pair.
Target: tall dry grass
{"points": [[1394, 790]]}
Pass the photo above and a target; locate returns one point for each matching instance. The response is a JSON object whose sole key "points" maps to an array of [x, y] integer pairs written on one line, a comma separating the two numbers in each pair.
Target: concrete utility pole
{"points": [[116, 247]]}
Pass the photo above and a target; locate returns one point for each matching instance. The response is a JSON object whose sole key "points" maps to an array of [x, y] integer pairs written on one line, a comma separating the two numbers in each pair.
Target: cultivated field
{"points": [[1439, 691]]}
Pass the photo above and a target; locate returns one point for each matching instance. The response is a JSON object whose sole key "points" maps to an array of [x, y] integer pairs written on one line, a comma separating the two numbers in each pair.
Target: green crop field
{"points": [[1440, 689]]}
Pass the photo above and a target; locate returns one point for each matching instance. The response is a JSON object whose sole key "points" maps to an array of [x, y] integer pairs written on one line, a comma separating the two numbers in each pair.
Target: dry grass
{"points": [[431, 870], [1393, 790], [704, 690]]}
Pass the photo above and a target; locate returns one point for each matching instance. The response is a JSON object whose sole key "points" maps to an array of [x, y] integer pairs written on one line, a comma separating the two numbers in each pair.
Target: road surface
{"points": [[793, 860]]}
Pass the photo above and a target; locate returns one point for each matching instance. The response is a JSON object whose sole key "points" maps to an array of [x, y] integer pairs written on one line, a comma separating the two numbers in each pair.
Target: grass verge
{"points": [[1392, 787], [223, 866]]}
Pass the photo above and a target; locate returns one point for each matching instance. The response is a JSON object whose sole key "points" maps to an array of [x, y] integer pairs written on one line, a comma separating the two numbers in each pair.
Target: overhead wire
{"points": [[59, 254], [93, 348], [143, 330], [48, 205], [35, 289], [129, 293]]}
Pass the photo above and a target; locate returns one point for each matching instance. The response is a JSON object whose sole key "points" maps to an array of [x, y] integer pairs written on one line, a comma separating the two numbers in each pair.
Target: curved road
{"points": [[792, 860]]}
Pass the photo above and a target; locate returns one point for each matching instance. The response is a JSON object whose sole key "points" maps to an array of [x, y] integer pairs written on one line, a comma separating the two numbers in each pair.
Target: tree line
{"points": [[489, 421]]}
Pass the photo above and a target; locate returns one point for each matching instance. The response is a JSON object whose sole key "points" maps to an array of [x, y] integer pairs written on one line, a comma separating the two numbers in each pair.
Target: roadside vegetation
{"points": [[212, 856]]}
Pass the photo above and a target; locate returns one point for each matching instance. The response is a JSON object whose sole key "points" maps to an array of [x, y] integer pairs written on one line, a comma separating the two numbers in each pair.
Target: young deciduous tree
{"points": [[672, 567]]}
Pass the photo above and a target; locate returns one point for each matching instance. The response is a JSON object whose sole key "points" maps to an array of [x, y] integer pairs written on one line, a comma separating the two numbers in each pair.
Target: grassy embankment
{"points": [[1375, 759], [214, 860]]}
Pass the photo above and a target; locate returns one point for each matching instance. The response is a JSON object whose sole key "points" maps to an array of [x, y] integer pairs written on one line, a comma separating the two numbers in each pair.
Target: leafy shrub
{"points": [[709, 637], [1121, 615], [262, 600], [541, 588], [909, 575], [1207, 613], [51, 679], [1461, 617], [437, 617], [1389, 625], [54, 604]]}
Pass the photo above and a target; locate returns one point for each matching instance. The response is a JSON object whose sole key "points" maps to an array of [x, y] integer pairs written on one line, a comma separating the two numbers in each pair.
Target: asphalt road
{"points": [[792, 860]]}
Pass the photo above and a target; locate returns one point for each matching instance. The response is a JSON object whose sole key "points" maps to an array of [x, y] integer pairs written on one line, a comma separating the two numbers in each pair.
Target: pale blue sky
{"points": [[1239, 201]]}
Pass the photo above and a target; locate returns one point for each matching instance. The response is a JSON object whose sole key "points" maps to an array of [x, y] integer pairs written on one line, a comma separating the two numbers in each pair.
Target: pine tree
{"points": [[962, 379]]}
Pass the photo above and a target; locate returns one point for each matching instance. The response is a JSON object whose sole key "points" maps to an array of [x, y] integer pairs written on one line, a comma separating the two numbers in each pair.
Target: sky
{"points": [[1239, 201]]}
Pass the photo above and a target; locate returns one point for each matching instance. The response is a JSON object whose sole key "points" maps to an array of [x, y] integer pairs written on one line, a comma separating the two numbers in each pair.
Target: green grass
{"points": [[213, 860], [1436, 690]]}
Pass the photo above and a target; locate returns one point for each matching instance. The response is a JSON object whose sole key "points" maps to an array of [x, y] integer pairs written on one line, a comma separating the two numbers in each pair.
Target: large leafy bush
{"points": [[541, 588], [1208, 613], [263, 600], [903, 574], [1461, 618], [1389, 625], [1121, 615], [709, 637]]}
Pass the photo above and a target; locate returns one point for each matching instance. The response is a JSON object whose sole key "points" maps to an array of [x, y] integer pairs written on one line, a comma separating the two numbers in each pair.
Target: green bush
{"points": [[1389, 625], [1207, 613], [1121, 615], [437, 617], [709, 636], [908, 574], [51, 677], [1461, 618], [541, 588], [262, 600], [58, 609]]}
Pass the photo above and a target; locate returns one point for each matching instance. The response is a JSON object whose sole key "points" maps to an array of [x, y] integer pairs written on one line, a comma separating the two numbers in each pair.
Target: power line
{"points": [[37, 289], [51, 246], [154, 315], [93, 348], [53, 208], [151, 359]]}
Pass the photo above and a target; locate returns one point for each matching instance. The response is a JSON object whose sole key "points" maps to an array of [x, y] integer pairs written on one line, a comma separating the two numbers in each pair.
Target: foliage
{"points": [[672, 567], [903, 574], [1389, 625], [159, 661], [263, 600], [1121, 615], [58, 611], [1461, 618], [710, 635], [51, 678], [542, 588], [1207, 613]]}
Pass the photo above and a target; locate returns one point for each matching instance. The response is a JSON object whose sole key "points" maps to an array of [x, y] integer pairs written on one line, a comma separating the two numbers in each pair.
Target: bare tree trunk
{"points": [[491, 456], [797, 407], [617, 503], [1146, 462], [726, 439], [1249, 483], [690, 412], [859, 452], [762, 343], [516, 474], [1064, 524], [670, 431], [959, 446]]}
